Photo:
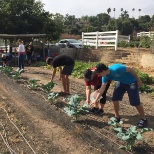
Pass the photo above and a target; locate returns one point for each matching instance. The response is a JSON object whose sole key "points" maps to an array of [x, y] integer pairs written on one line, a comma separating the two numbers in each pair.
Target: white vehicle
{"points": [[70, 43]]}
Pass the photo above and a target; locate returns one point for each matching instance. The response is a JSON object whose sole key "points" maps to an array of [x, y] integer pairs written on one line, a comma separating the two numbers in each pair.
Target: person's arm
{"points": [[53, 74], [100, 92], [60, 70], [88, 92], [132, 71], [32, 51]]}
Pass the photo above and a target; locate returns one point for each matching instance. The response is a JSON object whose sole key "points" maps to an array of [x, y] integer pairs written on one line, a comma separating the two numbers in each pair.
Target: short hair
{"points": [[48, 60], [87, 74], [3, 55], [100, 67]]}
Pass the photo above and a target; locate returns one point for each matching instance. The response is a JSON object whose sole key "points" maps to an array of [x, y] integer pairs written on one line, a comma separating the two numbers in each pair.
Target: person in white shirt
{"points": [[21, 55]]}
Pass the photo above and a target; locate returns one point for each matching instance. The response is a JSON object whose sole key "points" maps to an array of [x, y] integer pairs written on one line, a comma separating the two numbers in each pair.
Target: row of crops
{"points": [[74, 108]]}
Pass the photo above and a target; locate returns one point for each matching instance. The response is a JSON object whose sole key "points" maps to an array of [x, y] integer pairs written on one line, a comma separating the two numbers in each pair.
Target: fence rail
{"points": [[100, 39], [149, 34]]}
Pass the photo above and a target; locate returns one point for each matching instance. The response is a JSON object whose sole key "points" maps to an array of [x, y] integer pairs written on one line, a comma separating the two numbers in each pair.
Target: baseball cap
{"points": [[87, 74], [100, 67]]}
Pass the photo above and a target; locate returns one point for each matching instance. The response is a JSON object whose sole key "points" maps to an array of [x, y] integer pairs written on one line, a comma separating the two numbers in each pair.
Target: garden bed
{"points": [[48, 129]]}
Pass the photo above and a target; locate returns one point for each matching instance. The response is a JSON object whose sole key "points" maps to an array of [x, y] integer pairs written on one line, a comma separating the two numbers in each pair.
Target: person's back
{"points": [[6, 59]]}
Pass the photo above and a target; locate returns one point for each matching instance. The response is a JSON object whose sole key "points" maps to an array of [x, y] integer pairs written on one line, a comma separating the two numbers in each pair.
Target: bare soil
{"points": [[32, 124]]}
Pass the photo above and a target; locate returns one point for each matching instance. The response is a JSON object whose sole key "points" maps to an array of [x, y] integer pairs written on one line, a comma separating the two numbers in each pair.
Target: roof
{"points": [[21, 35]]}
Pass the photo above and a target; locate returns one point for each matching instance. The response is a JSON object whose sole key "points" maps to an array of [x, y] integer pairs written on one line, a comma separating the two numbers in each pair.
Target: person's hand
{"points": [[93, 103], [88, 101], [139, 83]]}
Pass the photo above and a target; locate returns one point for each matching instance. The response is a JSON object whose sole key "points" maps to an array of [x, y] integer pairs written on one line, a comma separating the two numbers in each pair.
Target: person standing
{"points": [[29, 52], [68, 64], [21, 55], [91, 78], [127, 81]]}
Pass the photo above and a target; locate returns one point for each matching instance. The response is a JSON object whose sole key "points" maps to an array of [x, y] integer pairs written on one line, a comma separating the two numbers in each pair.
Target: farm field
{"points": [[47, 129]]}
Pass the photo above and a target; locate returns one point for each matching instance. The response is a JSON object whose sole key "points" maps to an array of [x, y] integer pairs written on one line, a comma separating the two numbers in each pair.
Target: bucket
{"points": [[93, 96]]}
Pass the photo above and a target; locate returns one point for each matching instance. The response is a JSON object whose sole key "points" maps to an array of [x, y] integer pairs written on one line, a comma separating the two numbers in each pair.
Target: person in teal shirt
{"points": [[127, 81]]}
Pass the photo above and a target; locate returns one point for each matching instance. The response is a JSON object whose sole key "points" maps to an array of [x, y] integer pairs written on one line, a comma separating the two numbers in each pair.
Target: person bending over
{"points": [[93, 79], [68, 64], [127, 81]]}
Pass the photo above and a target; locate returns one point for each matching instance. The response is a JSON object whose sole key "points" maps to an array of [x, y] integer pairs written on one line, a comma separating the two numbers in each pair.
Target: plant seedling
{"points": [[74, 109], [131, 136], [113, 123], [47, 87], [52, 96], [16, 75], [33, 83]]}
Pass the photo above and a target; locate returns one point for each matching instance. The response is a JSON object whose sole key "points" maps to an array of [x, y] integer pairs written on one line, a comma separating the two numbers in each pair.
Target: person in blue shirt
{"points": [[7, 59], [127, 81]]}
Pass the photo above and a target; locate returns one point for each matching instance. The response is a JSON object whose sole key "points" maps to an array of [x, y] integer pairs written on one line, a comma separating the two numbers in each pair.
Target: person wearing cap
{"points": [[6, 59], [67, 63], [91, 78], [127, 81]]}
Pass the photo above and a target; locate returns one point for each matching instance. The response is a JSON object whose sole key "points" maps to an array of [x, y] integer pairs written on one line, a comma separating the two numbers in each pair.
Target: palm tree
{"points": [[108, 10], [114, 11], [139, 12], [133, 12]]}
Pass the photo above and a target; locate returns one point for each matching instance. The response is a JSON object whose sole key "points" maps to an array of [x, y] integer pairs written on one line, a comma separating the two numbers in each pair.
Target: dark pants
{"points": [[21, 61], [103, 100]]}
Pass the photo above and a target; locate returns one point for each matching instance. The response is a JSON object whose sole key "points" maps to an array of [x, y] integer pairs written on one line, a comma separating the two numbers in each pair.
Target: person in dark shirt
{"points": [[91, 78], [29, 52], [6, 59], [67, 63]]}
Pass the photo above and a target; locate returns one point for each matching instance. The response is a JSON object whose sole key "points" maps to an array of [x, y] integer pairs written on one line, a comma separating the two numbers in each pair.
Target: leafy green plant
{"points": [[145, 78], [6, 70], [47, 87], [16, 75], [33, 83], [80, 67], [113, 123], [52, 96], [146, 89], [152, 94], [130, 136], [74, 109]]}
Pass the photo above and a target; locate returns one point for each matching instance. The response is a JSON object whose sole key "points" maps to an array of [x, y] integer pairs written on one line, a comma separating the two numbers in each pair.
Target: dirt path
{"points": [[48, 129]]}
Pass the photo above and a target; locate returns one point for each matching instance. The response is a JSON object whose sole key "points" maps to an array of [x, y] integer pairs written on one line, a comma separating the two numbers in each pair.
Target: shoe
{"points": [[100, 111], [117, 119], [18, 70], [142, 123], [94, 110], [22, 70]]}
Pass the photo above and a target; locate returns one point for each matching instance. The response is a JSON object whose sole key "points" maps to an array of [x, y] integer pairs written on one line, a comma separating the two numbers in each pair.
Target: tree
{"points": [[139, 10], [114, 12], [108, 10], [133, 12]]}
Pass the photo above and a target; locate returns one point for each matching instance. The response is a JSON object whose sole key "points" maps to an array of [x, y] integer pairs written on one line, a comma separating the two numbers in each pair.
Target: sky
{"points": [[81, 8]]}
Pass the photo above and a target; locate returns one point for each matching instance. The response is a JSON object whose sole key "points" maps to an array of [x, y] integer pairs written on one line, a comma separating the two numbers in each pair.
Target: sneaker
{"points": [[117, 119], [18, 70], [94, 110], [142, 123], [100, 111]]}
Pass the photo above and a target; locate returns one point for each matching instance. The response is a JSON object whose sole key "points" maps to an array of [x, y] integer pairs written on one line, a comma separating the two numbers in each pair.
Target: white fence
{"points": [[149, 34], [100, 39]]}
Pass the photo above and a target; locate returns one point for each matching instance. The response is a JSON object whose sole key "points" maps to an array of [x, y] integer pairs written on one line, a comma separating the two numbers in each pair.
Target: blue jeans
{"points": [[21, 61]]}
